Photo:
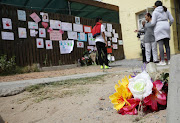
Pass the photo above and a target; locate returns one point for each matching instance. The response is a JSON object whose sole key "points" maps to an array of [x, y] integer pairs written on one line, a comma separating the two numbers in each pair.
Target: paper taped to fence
{"points": [[45, 17], [87, 29], [82, 36], [39, 43], [66, 46], [115, 46], [22, 32], [7, 35], [72, 35], [109, 43], [109, 27], [114, 40], [66, 26], [55, 35], [91, 40], [42, 33], [21, 15], [32, 25], [77, 27], [120, 42], [7, 24], [80, 44], [77, 20], [35, 17], [33, 32], [108, 34], [55, 24], [49, 44], [116, 35]]}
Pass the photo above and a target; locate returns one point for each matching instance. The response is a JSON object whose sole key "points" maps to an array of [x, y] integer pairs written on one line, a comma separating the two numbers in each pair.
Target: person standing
{"points": [[160, 19], [98, 32], [140, 35], [149, 40]]}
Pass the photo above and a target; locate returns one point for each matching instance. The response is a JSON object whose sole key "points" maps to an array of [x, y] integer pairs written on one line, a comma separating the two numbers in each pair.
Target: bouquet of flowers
{"points": [[139, 92]]}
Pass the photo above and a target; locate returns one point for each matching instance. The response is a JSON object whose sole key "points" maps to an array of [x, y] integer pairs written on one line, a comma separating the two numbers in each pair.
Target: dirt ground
{"points": [[47, 74], [90, 105]]}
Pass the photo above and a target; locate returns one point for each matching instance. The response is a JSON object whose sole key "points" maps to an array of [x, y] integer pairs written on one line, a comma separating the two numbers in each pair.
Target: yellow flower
{"points": [[119, 98], [125, 83]]}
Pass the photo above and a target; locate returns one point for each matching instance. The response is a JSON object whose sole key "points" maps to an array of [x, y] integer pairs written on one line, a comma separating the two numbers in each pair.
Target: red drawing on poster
{"points": [[45, 25], [39, 43]]}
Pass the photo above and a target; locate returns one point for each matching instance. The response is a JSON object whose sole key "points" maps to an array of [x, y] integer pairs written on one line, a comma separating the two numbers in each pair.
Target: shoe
{"points": [[156, 61], [147, 62], [107, 67], [168, 62], [102, 67], [162, 63]]}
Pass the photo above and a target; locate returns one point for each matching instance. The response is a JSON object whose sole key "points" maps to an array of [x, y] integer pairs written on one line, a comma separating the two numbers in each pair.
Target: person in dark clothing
{"points": [[101, 43]]}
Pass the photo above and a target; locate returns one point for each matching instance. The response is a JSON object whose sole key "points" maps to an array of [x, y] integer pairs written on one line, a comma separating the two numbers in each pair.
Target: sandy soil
{"points": [[37, 75], [91, 107]]}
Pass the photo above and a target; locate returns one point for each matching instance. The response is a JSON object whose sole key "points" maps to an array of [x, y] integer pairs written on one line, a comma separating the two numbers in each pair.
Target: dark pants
{"points": [[143, 53], [161, 48], [102, 53]]}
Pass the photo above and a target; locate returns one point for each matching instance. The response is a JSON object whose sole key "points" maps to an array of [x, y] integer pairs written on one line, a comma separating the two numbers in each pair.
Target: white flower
{"points": [[141, 85]]}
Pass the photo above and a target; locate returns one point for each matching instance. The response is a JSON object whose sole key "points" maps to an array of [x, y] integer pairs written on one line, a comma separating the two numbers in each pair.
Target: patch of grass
{"points": [[61, 89], [67, 83]]}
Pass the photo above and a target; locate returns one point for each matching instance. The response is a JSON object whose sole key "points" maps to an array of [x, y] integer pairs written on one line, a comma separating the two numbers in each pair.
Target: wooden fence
{"points": [[26, 51]]}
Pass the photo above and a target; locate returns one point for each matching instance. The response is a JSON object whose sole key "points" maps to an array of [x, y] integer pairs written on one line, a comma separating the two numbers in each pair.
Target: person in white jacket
{"points": [[160, 19]]}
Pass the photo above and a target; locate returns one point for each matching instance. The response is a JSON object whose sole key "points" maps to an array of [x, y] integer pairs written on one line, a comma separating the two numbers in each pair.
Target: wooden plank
{"points": [[97, 4]]}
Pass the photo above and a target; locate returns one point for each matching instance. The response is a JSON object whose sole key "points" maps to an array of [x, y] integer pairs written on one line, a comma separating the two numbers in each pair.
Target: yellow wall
{"points": [[128, 20]]}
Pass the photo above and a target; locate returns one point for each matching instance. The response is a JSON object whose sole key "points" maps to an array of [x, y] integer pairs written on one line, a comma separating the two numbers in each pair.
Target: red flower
{"points": [[130, 109], [82, 58], [156, 97]]}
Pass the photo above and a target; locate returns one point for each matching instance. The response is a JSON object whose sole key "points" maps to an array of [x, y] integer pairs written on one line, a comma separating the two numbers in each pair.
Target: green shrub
{"points": [[7, 66]]}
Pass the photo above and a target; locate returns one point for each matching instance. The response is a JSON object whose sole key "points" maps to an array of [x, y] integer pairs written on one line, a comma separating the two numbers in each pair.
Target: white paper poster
{"points": [[116, 35], [45, 17], [7, 35], [7, 24], [109, 43], [91, 40], [66, 26], [114, 31], [80, 44], [114, 40], [22, 32], [55, 24], [115, 46], [40, 43], [66, 46], [21, 15], [109, 27], [49, 44], [33, 33], [77, 27], [42, 33], [87, 29], [77, 20], [120, 42], [108, 34], [32, 25], [72, 35]]}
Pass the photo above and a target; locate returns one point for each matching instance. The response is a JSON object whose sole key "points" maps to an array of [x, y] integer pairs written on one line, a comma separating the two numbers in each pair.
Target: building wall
{"points": [[128, 20]]}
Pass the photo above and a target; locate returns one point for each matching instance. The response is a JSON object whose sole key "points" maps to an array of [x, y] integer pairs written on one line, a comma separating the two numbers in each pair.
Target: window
{"points": [[141, 17]]}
